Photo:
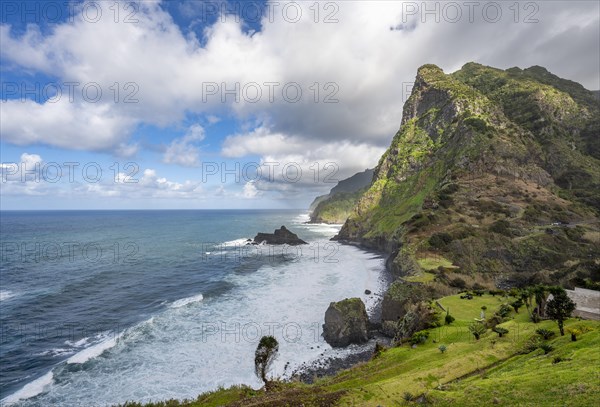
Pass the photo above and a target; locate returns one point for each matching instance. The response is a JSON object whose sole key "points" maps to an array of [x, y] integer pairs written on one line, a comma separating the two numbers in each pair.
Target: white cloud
{"points": [[33, 176], [182, 150], [249, 191], [359, 58]]}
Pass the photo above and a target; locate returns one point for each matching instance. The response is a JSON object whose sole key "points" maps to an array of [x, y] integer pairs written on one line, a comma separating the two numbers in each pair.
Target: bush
{"points": [[533, 344], [545, 333], [419, 337], [500, 331], [449, 319], [501, 227], [478, 287], [493, 321], [458, 283], [504, 310], [516, 305], [439, 240], [442, 348], [477, 330], [494, 293], [407, 396], [546, 347], [574, 333]]}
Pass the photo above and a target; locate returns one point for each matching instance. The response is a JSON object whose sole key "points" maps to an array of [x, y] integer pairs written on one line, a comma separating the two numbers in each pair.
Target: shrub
{"points": [[477, 329], [493, 321], [407, 396], [478, 287], [533, 344], [545, 333], [458, 283], [439, 240], [449, 319], [546, 347], [500, 331], [501, 227], [419, 337], [516, 305], [503, 311], [442, 348], [494, 293], [574, 333], [557, 359]]}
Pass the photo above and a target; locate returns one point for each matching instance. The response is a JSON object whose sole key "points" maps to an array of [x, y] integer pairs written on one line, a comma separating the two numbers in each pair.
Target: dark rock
{"points": [[280, 236], [368, 292], [346, 322], [399, 297]]}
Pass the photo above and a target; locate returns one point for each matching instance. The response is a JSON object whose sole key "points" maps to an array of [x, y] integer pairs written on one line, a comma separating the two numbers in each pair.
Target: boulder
{"points": [[346, 322], [280, 236]]}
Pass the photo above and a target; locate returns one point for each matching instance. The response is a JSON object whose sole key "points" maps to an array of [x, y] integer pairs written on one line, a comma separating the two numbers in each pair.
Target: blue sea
{"points": [[101, 307]]}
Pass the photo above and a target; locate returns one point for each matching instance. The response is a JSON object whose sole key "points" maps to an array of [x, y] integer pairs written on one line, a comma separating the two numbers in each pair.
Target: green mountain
{"points": [[339, 202], [493, 178]]}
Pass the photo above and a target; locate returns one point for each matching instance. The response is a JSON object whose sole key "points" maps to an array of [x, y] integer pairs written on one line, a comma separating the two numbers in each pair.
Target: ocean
{"points": [[101, 307]]}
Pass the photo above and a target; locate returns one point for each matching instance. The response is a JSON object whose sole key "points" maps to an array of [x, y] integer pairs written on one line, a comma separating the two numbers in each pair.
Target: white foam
{"points": [[185, 301], [6, 295], [30, 389], [79, 343], [236, 242], [178, 354], [302, 218], [56, 352], [95, 350]]}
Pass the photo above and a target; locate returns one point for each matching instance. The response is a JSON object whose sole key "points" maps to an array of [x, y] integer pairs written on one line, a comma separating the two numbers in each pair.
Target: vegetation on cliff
{"points": [[336, 206], [493, 175]]}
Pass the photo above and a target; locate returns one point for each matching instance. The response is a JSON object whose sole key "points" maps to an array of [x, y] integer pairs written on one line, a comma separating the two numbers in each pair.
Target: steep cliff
{"points": [[493, 177], [338, 204]]}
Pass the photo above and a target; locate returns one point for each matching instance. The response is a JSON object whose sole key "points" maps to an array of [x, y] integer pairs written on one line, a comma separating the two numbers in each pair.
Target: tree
{"points": [[560, 307], [540, 293], [477, 329], [517, 304], [266, 353]]}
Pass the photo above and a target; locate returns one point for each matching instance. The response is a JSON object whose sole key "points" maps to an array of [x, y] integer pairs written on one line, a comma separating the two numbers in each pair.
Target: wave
{"points": [[6, 295], [30, 389], [236, 242], [185, 301], [302, 218], [95, 350]]}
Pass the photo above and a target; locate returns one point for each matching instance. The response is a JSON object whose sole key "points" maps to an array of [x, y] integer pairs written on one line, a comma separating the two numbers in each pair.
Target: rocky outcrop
{"points": [[346, 322], [280, 236], [399, 297]]}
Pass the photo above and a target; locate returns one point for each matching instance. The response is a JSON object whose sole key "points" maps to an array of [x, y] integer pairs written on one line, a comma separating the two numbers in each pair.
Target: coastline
{"points": [[325, 365]]}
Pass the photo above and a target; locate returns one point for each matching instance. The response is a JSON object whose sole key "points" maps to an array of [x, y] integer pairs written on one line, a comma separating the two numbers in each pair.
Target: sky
{"points": [[239, 104]]}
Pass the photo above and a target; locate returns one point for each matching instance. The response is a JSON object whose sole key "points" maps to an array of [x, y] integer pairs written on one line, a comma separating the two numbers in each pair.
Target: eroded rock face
{"points": [[280, 236], [399, 297], [346, 322]]}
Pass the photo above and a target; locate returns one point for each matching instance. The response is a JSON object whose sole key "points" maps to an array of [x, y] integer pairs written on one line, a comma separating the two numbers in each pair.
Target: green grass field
{"points": [[491, 371]]}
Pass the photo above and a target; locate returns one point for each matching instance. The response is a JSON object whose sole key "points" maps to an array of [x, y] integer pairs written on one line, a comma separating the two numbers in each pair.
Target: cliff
{"points": [[339, 202], [492, 178]]}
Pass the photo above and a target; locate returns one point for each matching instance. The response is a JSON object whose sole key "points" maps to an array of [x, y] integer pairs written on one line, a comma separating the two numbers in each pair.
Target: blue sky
{"points": [[190, 86]]}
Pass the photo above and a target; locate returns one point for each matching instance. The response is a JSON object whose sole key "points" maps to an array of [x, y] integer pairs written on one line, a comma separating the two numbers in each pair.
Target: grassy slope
{"points": [[491, 369]]}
